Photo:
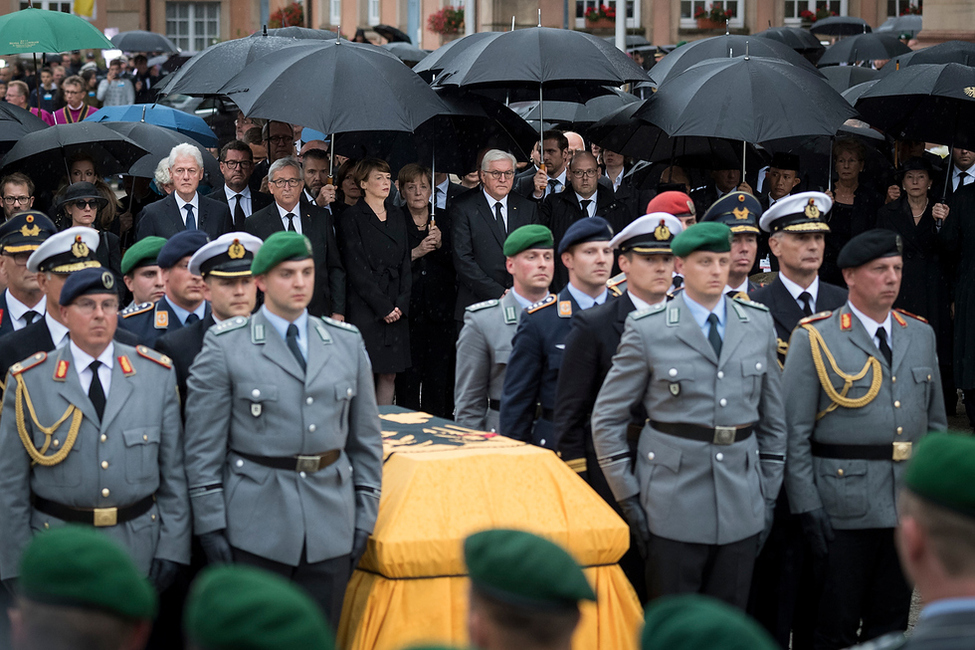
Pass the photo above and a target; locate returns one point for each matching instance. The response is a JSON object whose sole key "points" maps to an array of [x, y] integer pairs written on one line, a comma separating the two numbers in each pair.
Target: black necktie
{"points": [[500, 218], [95, 391], [678, 281], [291, 222], [731, 294], [554, 186], [806, 299], [191, 318], [884, 348], [585, 205], [714, 338], [962, 180], [239, 213], [30, 315], [292, 340], [190, 219]]}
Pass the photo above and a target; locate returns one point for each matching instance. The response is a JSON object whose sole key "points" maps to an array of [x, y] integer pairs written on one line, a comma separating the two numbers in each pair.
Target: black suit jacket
{"points": [[479, 246], [182, 346], [6, 324], [316, 224], [163, 218], [259, 201], [786, 312], [524, 185]]}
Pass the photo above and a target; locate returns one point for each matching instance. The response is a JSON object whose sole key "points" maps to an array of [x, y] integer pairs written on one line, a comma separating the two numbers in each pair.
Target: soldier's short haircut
{"points": [[52, 627], [952, 534], [495, 155], [525, 626]]}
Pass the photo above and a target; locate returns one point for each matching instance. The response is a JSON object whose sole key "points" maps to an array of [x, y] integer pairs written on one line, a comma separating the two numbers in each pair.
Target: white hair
{"points": [[495, 155], [161, 175], [280, 163], [184, 150]]}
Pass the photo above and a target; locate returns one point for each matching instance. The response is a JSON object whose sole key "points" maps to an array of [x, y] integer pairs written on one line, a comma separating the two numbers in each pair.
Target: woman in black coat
{"points": [[82, 204], [376, 253], [429, 385], [924, 285]]}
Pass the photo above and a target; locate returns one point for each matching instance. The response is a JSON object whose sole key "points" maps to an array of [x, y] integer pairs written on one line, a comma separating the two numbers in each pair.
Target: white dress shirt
{"points": [[591, 208], [794, 291], [17, 310], [742, 288], [504, 207], [957, 176], [280, 326], [82, 360], [245, 199], [871, 326], [59, 333], [284, 216], [639, 303], [440, 194], [584, 300], [181, 204]]}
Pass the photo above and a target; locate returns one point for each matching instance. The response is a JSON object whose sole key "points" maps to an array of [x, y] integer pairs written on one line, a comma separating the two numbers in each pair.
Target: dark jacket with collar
{"points": [[525, 186], [149, 321], [164, 219], [182, 345], [259, 200]]}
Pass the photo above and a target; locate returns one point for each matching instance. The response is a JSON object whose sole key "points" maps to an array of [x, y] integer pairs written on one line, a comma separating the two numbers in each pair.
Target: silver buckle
{"points": [[307, 464], [724, 435]]}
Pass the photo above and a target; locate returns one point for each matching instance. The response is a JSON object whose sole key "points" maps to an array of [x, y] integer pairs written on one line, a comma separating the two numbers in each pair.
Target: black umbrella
{"points": [[405, 52], [301, 33], [43, 153], [799, 39], [724, 47], [630, 41], [948, 52], [141, 41], [840, 26], [842, 77], [852, 94], [432, 65], [392, 34], [902, 25], [863, 47], [575, 113], [15, 123], [159, 141]]}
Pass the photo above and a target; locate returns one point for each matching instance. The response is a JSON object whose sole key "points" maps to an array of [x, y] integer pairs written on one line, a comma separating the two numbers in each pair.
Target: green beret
{"points": [[244, 608], [523, 569], [695, 622], [530, 236], [77, 566], [142, 253], [942, 469], [711, 236], [282, 246]]}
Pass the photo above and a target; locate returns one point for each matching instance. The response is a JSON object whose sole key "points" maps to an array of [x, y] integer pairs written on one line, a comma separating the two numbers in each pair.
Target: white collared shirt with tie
{"points": [[962, 177], [195, 202], [284, 216], [245, 199], [872, 326], [591, 206], [82, 360]]}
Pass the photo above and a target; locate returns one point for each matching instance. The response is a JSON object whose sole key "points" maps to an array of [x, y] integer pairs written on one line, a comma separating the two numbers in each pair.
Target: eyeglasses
{"points": [[290, 182], [496, 175], [13, 200], [237, 164], [87, 306], [280, 139], [20, 259], [588, 173], [90, 203]]}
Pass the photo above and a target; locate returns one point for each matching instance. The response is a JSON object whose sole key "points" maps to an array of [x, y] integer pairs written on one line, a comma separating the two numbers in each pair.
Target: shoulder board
{"points": [[750, 303], [616, 279], [230, 324], [28, 363], [643, 313], [152, 355], [815, 317], [340, 324], [914, 316], [550, 299], [132, 310], [478, 306]]}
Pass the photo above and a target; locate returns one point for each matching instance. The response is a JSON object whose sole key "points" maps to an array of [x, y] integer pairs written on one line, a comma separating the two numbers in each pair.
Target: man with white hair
{"points": [[185, 208]]}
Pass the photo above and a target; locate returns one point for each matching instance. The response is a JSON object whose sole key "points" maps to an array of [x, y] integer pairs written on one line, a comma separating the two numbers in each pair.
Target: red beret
{"points": [[675, 203]]}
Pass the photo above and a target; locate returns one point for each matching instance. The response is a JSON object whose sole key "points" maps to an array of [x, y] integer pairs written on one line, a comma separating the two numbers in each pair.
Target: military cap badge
{"points": [[79, 248]]}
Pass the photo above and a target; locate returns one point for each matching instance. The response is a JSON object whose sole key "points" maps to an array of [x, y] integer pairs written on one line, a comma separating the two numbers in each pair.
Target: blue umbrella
{"points": [[164, 116]]}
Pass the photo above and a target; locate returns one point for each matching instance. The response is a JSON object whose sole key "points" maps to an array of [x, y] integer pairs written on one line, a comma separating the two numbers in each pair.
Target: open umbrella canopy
{"points": [[15, 123], [141, 41], [778, 99], [863, 47], [724, 47], [852, 94], [159, 141], [842, 77], [799, 39], [405, 52], [40, 30], [392, 34], [902, 25], [434, 64], [335, 87], [301, 33], [164, 116], [948, 52], [840, 26], [573, 113], [631, 40]]}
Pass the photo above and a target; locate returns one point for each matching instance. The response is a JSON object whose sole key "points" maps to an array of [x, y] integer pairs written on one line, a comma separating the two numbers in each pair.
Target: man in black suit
{"points": [[287, 213], [780, 181], [550, 178], [445, 192], [184, 209], [22, 302], [784, 593], [225, 265], [584, 198], [236, 165], [481, 222], [54, 260]]}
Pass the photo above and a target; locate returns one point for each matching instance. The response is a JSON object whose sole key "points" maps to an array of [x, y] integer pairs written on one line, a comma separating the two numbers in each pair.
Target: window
{"points": [[819, 8], [903, 7], [63, 7], [374, 18], [335, 12], [632, 11], [688, 9], [193, 26]]}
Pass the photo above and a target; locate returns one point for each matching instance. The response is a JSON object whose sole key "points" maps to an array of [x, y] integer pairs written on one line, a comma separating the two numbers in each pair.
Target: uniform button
{"points": [[105, 492], [929, 377], [104, 438], [301, 474], [348, 392], [897, 404], [672, 372], [840, 472], [893, 380], [240, 463], [57, 443], [311, 428], [255, 393], [758, 366], [47, 525], [721, 374], [104, 464], [651, 455], [723, 402], [719, 457], [542, 442], [153, 517], [900, 430], [309, 400], [145, 437]]}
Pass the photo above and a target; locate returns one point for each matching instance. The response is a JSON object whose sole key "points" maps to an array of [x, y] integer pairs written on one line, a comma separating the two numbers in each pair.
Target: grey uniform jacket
{"points": [[693, 491], [246, 392], [134, 452], [483, 348], [858, 493]]}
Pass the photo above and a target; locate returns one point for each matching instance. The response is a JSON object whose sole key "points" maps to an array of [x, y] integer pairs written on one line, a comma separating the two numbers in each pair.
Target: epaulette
{"points": [[815, 317], [643, 313], [132, 310], [751, 303], [616, 279], [152, 355], [340, 324], [544, 302], [28, 363], [230, 324], [907, 313], [478, 306]]}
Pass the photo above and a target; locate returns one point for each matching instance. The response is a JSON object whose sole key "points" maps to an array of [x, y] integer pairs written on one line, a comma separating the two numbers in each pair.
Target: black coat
{"points": [[316, 224], [182, 346], [6, 324], [377, 261], [434, 287], [150, 321], [259, 201], [845, 222], [163, 218], [958, 243], [478, 246]]}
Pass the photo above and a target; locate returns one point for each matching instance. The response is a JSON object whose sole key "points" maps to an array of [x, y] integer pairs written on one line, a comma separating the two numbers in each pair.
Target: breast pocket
{"points": [[843, 487], [141, 453], [924, 378], [661, 471], [68, 472], [344, 392], [673, 379], [753, 374], [256, 399], [501, 356]]}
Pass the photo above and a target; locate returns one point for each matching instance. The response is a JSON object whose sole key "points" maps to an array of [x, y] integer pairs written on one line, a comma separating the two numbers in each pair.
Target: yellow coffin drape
{"points": [[442, 482]]}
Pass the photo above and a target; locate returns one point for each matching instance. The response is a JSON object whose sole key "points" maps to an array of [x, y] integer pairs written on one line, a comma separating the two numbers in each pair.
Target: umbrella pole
{"points": [[743, 149], [37, 87], [433, 192], [541, 128], [829, 168]]}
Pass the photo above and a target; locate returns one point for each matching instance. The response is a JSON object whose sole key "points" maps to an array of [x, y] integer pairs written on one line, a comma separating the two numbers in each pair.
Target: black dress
{"points": [[429, 384], [845, 222], [376, 255]]}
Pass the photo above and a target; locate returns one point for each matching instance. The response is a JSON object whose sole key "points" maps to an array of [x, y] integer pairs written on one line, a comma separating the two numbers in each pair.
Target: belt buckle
{"points": [[724, 435], [105, 517], [308, 464], [902, 451]]}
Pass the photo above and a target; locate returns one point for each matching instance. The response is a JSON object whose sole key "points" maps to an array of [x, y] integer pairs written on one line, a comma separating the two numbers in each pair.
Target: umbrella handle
{"points": [[829, 168]]}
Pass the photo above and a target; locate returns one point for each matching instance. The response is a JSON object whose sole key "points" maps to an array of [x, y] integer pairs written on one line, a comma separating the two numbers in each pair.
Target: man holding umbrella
{"points": [[550, 177]]}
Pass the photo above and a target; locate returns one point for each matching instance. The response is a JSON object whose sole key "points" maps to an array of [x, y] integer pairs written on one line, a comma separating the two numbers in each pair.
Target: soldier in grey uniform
{"points": [[710, 459], [484, 344], [863, 386], [283, 446], [91, 434]]}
